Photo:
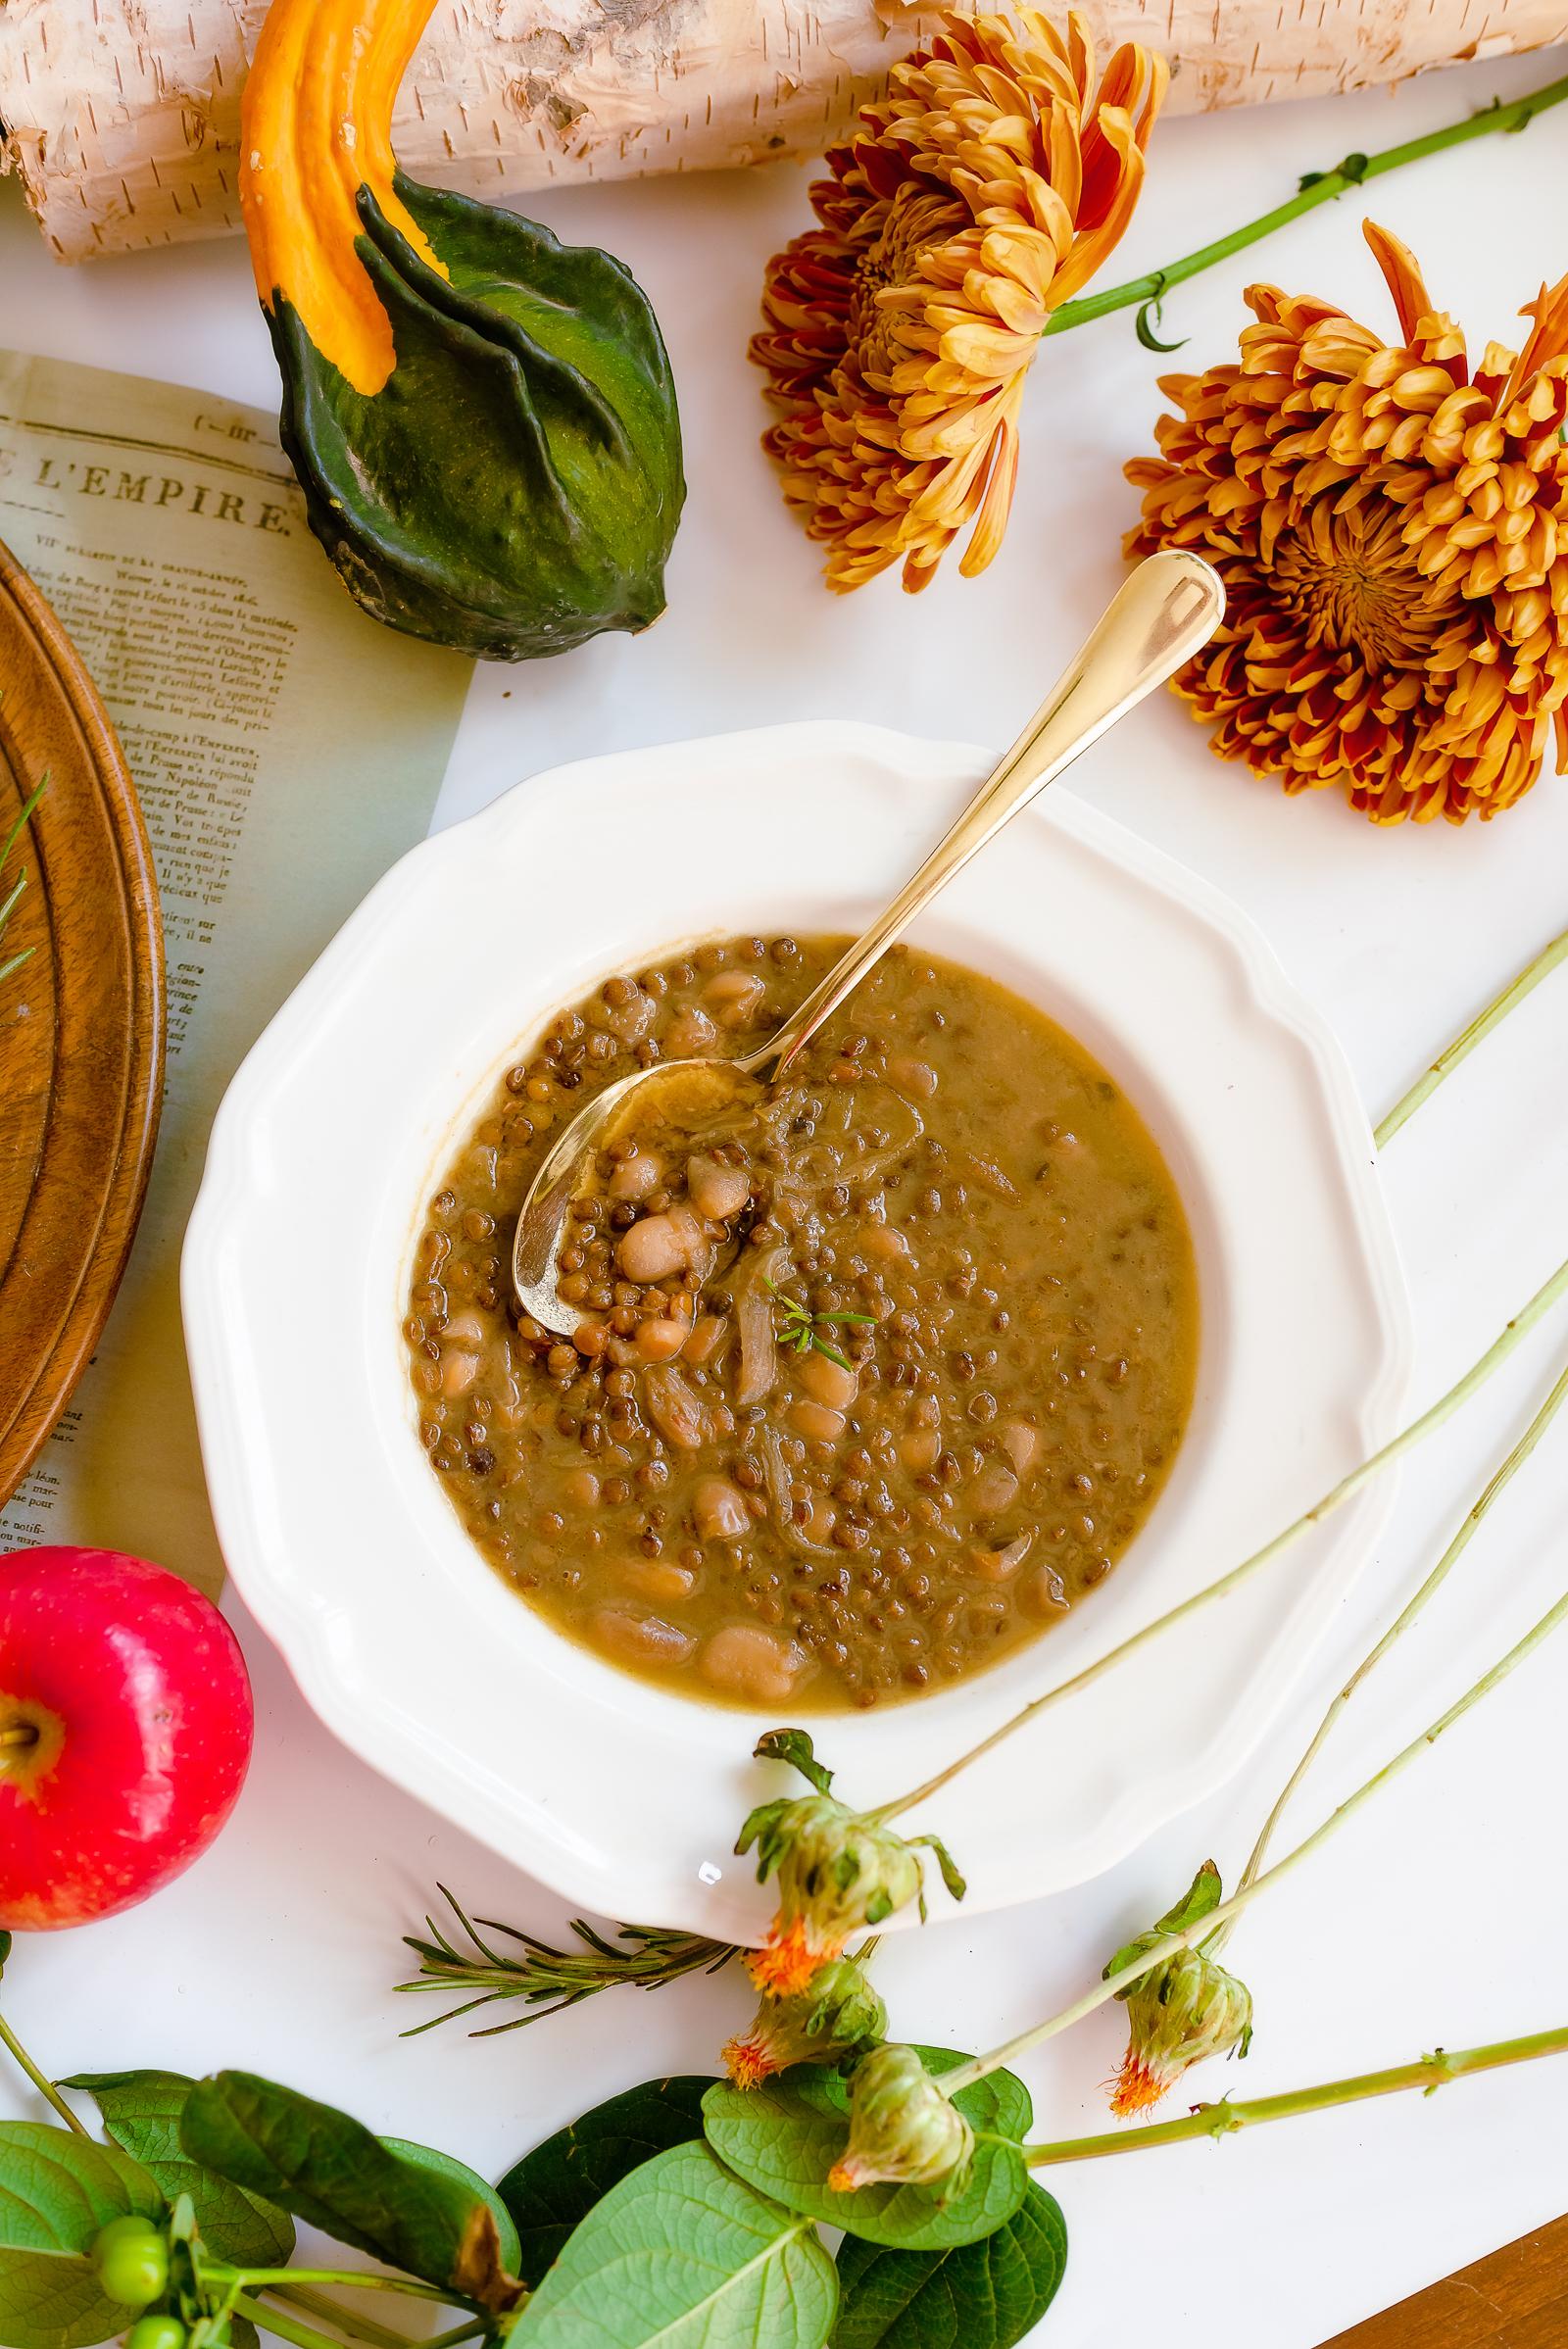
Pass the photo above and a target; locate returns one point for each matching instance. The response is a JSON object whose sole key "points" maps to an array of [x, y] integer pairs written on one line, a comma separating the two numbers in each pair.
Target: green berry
{"points": [[131, 2260], [156, 2333]]}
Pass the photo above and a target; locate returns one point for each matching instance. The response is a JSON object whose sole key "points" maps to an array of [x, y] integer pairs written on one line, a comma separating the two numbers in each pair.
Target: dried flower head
{"points": [[903, 2130], [1391, 524], [835, 2017], [837, 1872], [1180, 2011], [982, 191]]}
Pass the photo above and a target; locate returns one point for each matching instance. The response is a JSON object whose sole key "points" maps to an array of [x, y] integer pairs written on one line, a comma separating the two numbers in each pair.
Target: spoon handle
{"points": [[1164, 612]]}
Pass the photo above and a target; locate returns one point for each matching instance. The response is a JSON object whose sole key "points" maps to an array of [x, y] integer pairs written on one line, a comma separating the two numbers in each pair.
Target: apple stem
{"points": [[45, 2087]]}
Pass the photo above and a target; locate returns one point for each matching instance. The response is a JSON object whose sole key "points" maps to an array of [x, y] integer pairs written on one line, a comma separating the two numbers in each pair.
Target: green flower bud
{"points": [[835, 2017], [903, 2128]]}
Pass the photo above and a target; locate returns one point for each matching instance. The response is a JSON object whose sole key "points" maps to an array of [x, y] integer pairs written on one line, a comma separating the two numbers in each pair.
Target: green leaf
{"points": [[444, 2165], [785, 2137], [5, 1947], [56, 2191], [553, 2188], [331, 2172], [957, 1887], [1149, 316], [141, 2112], [1202, 1895], [794, 1747], [682, 2254], [987, 2295]]}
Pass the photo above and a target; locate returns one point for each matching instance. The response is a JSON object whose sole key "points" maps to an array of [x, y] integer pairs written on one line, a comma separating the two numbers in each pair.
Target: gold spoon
{"points": [[1164, 612]]}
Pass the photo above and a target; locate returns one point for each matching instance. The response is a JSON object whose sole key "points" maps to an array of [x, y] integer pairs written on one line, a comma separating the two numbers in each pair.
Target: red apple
{"points": [[124, 1732]]}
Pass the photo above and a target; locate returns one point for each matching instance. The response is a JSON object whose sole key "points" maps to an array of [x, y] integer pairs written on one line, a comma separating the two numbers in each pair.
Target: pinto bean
{"points": [[660, 1340], [828, 1382], [912, 1076], [659, 1245], [745, 1661], [1021, 1444], [719, 1509], [640, 1639], [637, 1175], [715, 1189], [656, 1578], [462, 1343], [734, 998], [815, 1422], [690, 1034], [994, 1490]]}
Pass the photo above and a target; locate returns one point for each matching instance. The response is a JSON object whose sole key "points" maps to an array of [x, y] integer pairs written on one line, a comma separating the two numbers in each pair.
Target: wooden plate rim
{"points": [[95, 1233]]}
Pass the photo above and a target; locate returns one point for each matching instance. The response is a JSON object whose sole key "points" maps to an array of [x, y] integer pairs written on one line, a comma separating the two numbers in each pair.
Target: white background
{"points": [[1441, 1914]]}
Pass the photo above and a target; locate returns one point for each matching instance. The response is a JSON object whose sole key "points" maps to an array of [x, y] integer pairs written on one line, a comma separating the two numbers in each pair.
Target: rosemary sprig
{"points": [[549, 1980], [8, 903], [801, 1330]]}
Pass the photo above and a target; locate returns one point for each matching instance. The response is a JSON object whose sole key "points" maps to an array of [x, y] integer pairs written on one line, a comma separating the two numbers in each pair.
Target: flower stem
{"points": [[1220, 2120], [266, 2318], [353, 2279], [1500, 1479], [322, 2304], [966, 2074], [45, 2087], [1354, 171], [1497, 1353], [1464, 1044]]}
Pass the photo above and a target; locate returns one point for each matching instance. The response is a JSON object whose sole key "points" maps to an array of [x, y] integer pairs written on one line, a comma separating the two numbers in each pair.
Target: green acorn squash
{"points": [[482, 419]]}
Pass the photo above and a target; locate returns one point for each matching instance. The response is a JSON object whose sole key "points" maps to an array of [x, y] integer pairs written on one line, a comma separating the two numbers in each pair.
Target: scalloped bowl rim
{"points": [[669, 1862]]}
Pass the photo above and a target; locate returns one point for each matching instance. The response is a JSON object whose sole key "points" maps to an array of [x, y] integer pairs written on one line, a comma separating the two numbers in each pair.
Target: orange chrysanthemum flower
{"points": [[1391, 528], [980, 194]]}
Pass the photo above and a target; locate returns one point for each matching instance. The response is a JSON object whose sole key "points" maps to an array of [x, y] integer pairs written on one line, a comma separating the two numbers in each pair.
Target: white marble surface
{"points": [[1440, 1915]]}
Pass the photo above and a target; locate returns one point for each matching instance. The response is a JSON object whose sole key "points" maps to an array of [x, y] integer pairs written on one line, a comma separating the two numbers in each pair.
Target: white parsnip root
{"points": [[122, 116]]}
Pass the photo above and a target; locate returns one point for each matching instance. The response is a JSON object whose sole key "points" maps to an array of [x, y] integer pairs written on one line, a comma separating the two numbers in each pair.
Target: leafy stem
{"points": [[1497, 1482], [1464, 1044], [546, 1979], [1497, 1353], [1145, 293], [18, 2055], [363, 2329], [1167, 1946], [1429, 2073], [800, 1329], [358, 2279], [267, 2318]]}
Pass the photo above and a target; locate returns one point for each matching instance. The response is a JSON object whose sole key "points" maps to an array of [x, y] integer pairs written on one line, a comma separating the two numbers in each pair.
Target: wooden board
{"points": [[1517, 2298], [81, 1023]]}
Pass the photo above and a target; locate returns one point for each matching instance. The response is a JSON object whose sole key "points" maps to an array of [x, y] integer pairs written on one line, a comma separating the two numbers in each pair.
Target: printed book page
{"points": [[286, 749]]}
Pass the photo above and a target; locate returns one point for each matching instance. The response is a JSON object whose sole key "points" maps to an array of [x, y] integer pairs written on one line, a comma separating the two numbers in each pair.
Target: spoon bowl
{"points": [[1163, 614]]}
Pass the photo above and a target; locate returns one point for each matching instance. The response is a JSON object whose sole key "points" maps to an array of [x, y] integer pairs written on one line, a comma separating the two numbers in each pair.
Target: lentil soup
{"points": [[873, 1383]]}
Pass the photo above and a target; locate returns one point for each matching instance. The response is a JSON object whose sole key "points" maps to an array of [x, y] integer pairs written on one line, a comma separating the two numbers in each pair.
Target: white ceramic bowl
{"points": [[622, 1797]]}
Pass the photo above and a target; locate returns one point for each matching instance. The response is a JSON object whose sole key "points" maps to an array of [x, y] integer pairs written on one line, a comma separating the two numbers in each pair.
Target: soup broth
{"points": [[873, 1383]]}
